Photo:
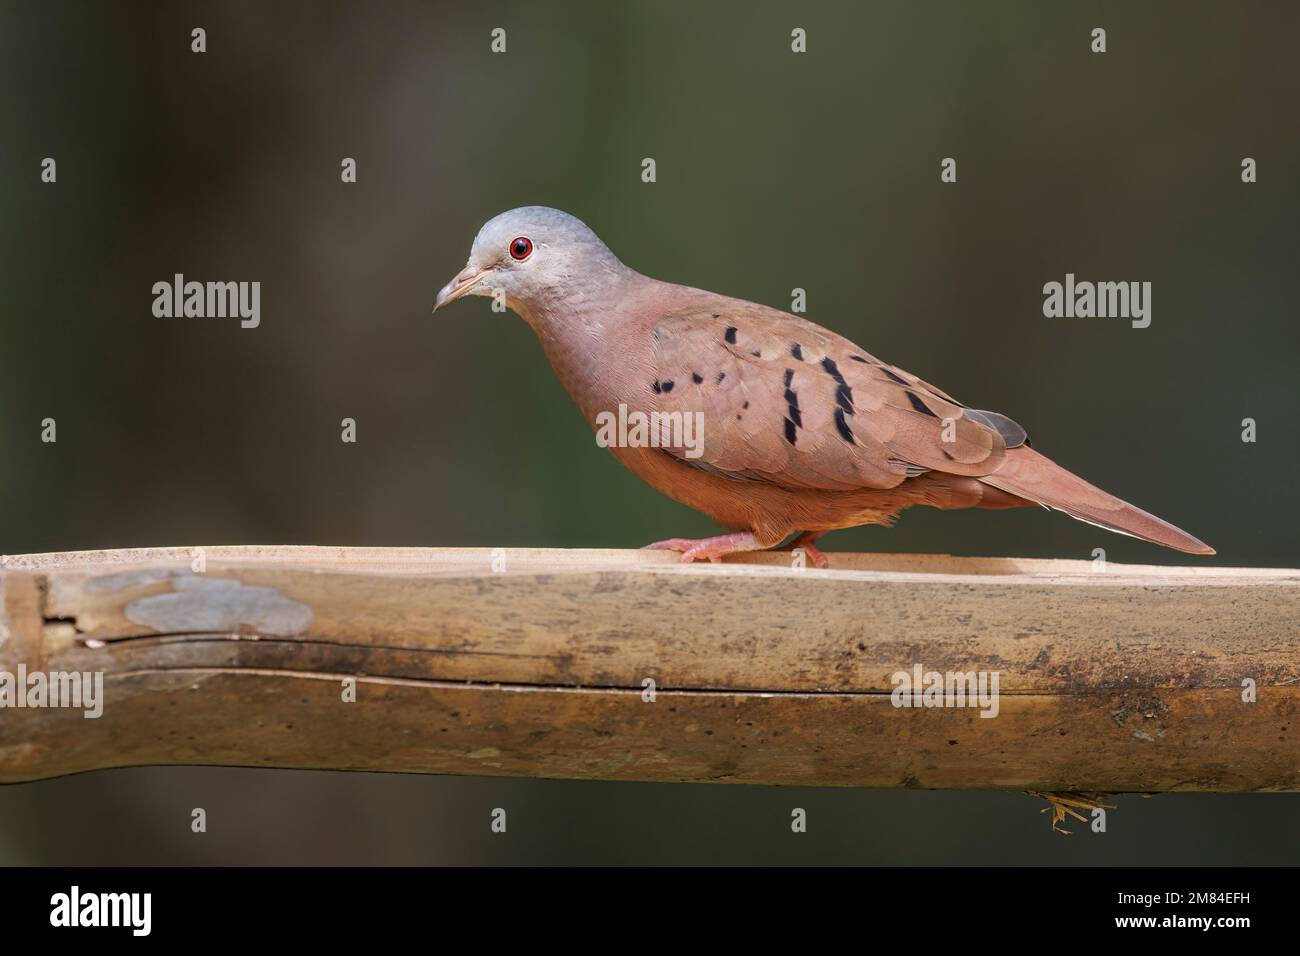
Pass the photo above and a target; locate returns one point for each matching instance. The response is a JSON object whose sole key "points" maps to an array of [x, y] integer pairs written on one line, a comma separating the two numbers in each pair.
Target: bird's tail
{"points": [[1030, 475]]}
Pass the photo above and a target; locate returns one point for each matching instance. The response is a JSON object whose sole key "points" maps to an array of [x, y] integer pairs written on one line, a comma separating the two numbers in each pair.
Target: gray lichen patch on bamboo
{"points": [[129, 579], [201, 603]]}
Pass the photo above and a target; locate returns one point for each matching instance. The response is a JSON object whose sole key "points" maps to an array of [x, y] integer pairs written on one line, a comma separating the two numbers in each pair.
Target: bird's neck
{"points": [[582, 327]]}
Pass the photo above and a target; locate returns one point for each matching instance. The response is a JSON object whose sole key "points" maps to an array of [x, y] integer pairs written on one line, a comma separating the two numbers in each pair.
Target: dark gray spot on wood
{"points": [[130, 579], [204, 604]]}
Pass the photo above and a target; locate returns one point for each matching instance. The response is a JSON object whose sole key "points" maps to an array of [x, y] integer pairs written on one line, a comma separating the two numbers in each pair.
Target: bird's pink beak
{"points": [[458, 286]]}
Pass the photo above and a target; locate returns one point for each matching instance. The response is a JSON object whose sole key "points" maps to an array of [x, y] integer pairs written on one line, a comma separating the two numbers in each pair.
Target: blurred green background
{"points": [[775, 170]]}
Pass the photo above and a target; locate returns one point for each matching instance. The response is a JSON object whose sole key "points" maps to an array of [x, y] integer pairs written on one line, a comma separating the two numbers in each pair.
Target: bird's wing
{"points": [[786, 401]]}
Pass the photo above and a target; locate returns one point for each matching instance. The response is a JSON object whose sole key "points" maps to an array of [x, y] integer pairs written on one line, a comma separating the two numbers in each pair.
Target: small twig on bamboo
{"points": [[1070, 803]]}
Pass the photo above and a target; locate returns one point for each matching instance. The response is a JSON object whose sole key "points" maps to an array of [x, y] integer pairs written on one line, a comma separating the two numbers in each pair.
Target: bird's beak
{"points": [[458, 286]]}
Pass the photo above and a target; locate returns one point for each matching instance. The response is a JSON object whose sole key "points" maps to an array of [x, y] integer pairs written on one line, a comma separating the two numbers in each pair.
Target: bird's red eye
{"points": [[521, 248]]}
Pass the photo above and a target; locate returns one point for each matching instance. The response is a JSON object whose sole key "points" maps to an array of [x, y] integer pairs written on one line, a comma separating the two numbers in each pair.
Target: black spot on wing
{"points": [[897, 378], [667, 386], [792, 403], [919, 405], [696, 378], [656, 387], [789, 431], [730, 334], [843, 427], [721, 376], [843, 394], [796, 352]]}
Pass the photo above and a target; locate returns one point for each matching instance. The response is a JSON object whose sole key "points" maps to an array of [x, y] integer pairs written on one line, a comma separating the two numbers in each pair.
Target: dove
{"points": [[802, 432]]}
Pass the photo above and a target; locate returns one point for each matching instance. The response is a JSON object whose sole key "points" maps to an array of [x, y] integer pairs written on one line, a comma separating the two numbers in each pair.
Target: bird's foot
{"points": [[712, 549], [806, 543]]}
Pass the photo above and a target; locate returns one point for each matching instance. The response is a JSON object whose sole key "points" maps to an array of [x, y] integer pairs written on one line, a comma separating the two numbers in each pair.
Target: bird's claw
{"points": [[712, 549]]}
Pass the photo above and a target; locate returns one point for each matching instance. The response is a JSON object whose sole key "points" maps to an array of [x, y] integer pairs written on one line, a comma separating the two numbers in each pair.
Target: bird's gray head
{"points": [[536, 257]]}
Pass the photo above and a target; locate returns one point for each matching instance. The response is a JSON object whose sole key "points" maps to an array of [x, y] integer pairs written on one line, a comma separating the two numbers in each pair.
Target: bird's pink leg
{"points": [[711, 548], [807, 542]]}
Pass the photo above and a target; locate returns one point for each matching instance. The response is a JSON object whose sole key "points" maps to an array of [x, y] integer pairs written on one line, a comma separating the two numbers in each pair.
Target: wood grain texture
{"points": [[1128, 679]]}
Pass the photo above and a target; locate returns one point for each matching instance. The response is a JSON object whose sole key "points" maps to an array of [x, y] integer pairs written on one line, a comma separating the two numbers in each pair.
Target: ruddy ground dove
{"points": [[803, 432]]}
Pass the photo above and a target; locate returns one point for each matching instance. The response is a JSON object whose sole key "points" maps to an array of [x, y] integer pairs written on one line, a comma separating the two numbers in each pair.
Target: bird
{"points": [[802, 432]]}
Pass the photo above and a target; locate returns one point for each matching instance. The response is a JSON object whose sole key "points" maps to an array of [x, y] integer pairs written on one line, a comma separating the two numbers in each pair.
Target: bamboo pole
{"points": [[623, 665]]}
